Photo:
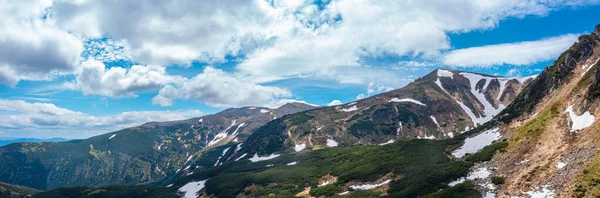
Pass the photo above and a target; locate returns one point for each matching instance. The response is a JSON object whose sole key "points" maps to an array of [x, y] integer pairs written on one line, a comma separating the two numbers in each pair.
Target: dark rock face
{"points": [[597, 30]]}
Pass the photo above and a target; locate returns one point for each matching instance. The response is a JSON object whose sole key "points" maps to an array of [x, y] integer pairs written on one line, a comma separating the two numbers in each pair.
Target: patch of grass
{"points": [[362, 128], [533, 128], [299, 118], [497, 180], [327, 190], [587, 181], [463, 190]]}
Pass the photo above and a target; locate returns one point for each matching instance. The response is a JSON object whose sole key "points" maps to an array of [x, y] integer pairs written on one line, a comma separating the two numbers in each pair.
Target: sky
{"points": [[79, 68]]}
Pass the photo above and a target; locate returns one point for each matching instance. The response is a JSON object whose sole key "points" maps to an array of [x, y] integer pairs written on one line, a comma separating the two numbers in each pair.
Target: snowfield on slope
{"points": [[480, 173], [191, 189], [476, 143], [489, 110], [256, 158], [299, 147], [580, 122], [369, 186], [407, 100], [331, 143], [350, 109]]}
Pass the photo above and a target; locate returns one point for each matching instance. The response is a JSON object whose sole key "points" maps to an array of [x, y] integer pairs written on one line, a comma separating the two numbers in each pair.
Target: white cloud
{"points": [[334, 103], [520, 53], [308, 40], [218, 88], [169, 32], [45, 120], [94, 78], [32, 48]]}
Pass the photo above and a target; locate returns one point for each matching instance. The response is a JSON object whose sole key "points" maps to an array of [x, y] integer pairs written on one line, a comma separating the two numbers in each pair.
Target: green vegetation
{"points": [[463, 190], [533, 128], [109, 191], [422, 164], [14, 191], [362, 128], [587, 182], [299, 118], [327, 190], [497, 180]]}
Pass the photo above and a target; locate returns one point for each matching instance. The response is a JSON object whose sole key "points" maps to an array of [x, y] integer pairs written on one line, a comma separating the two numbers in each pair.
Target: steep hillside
{"points": [[14, 191], [551, 130], [439, 105], [10, 141], [138, 155]]}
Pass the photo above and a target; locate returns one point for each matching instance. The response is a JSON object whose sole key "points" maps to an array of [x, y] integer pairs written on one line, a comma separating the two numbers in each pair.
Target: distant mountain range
{"points": [[5, 141]]}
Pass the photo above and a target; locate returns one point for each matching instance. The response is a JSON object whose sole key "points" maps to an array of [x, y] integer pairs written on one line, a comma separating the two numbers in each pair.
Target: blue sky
{"points": [[78, 69]]}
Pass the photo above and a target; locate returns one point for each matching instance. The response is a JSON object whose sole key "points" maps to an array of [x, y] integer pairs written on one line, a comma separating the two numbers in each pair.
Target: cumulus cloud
{"points": [[31, 47], [94, 78], [339, 35], [169, 32], [46, 120], [218, 88], [519, 53], [334, 103]]}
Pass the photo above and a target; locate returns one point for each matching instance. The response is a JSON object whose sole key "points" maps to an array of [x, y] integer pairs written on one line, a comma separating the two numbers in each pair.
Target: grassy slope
{"points": [[14, 191], [422, 164]]}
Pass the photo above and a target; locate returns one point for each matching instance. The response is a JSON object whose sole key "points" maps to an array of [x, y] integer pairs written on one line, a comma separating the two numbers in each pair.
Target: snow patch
{"points": [[561, 165], [469, 112], [350, 109], [369, 186], [256, 158], [587, 67], [168, 186], [480, 173], [270, 165], [200, 121], [324, 184], [407, 100], [112, 136], [445, 73], [426, 137], [523, 161], [434, 121], [243, 155], [580, 122], [331, 143], [264, 111], [541, 193], [388, 142], [238, 147], [489, 110], [299, 147], [191, 189], [344, 193], [222, 154], [476, 143], [291, 163]]}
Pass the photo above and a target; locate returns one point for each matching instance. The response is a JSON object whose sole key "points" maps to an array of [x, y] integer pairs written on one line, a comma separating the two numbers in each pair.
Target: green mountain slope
{"points": [[14, 191], [137, 155]]}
